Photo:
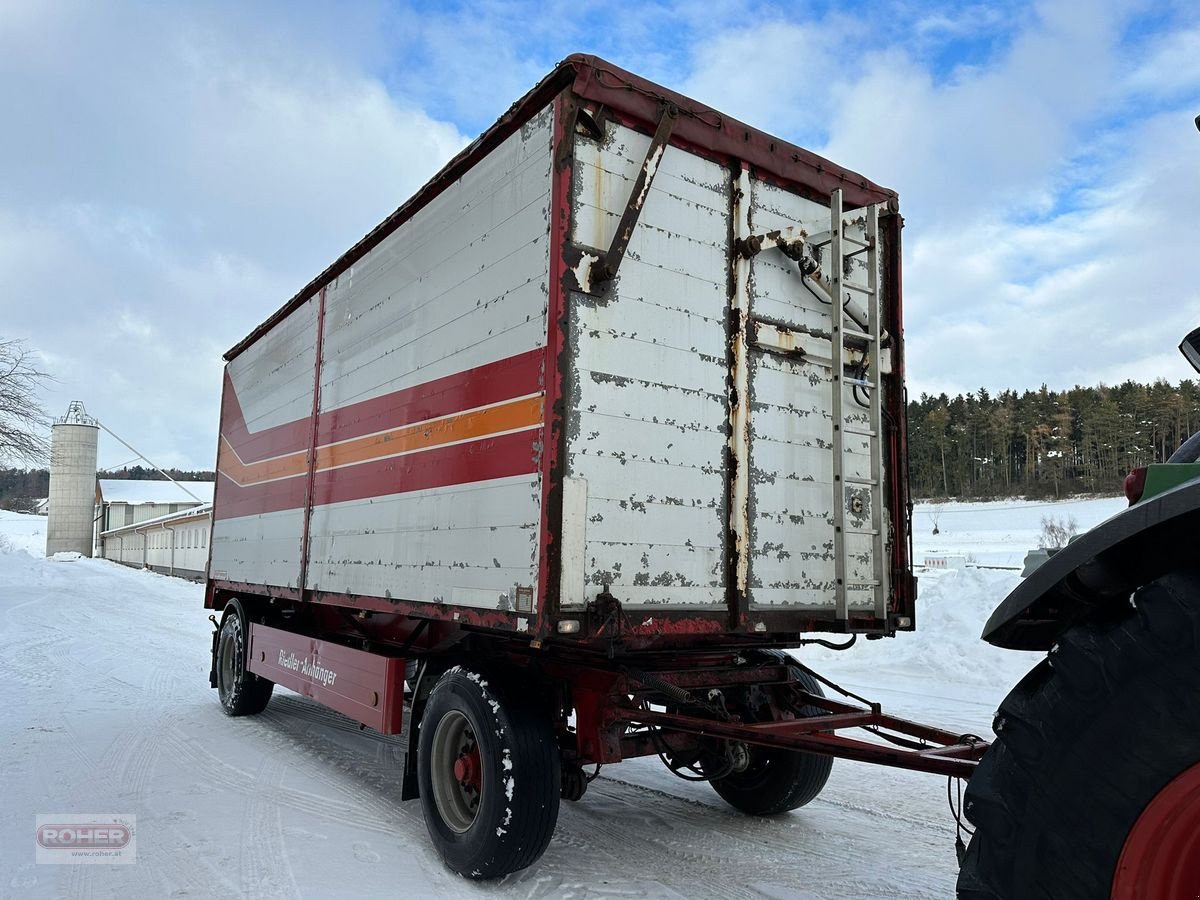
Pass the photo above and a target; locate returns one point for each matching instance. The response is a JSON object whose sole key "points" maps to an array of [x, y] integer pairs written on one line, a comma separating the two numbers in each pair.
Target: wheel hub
{"points": [[456, 770], [1161, 856], [467, 769]]}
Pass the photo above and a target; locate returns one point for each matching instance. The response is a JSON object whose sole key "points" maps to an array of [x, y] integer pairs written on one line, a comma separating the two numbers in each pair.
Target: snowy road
{"points": [[107, 709]]}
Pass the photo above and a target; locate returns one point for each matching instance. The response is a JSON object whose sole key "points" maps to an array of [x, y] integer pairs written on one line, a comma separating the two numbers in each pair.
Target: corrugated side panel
{"points": [[431, 395], [647, 432], [265, 424], [791, 460]]}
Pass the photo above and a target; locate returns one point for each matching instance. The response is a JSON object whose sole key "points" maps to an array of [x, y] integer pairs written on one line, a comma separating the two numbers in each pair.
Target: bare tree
{"points": [[1056, 533], [22, 439]]}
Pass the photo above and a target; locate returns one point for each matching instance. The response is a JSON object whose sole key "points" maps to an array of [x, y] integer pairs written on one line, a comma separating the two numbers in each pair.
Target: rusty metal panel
{"points": [[572, 585], [418, 452], [447, 305], [792, 475], [466, 545], [776, 287], [649, 401]]}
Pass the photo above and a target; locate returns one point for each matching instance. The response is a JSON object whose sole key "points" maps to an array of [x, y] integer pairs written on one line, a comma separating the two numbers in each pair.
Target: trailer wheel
{"points": [[1092, 787], [488, 766], [242, 693], [778, 781]]}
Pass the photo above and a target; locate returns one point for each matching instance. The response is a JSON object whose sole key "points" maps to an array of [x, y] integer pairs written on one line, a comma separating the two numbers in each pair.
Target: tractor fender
{"points": [[1100, 570]]}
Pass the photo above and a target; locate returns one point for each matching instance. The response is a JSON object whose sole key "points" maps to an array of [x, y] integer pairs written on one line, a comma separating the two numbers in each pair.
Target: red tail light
{"points": [[1135, 484]]}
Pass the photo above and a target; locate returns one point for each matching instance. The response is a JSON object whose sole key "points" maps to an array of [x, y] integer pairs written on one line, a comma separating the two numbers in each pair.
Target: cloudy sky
{"points": [[171, 172]]}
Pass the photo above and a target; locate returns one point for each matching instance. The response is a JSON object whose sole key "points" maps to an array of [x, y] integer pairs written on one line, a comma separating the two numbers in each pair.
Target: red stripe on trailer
{"points": [[253, 446], [505, 379], [466, 463], [367, 687], [274, 496]]}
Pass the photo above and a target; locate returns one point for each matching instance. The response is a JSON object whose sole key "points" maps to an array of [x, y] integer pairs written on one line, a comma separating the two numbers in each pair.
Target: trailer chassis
{"points": [[627, 707]]}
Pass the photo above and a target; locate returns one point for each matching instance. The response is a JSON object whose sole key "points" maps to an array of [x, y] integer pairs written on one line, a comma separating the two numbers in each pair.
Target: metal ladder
{"points": [[837, 291], [841, 290]]}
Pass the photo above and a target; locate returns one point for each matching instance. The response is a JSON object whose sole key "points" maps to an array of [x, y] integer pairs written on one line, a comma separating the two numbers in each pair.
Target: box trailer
{"points": [[545, 471]]}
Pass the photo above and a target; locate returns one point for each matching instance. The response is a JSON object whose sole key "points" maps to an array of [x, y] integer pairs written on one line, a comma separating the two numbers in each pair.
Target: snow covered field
{"points": [[107, 710]]}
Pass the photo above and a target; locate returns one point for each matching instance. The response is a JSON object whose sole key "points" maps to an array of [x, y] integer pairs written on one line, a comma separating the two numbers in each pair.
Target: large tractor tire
{"points": [[1092, 787], [489, 773], [778, 781], [241, 692]]}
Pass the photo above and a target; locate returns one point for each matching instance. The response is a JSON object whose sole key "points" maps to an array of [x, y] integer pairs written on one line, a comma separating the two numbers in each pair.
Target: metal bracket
{"points": [[212, 673], [790, 241], [603, 269]]}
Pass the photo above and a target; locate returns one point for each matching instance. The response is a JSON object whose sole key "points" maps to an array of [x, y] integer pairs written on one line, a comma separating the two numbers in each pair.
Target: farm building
{"points": [[125, 502], [174, 544]]}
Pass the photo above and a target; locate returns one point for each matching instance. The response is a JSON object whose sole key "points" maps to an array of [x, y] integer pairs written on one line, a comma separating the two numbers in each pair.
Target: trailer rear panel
{"points": [[596, 355]]}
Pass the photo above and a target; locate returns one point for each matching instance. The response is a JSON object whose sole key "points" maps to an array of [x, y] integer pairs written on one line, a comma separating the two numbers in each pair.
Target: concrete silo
{"points": [[72, 507]]}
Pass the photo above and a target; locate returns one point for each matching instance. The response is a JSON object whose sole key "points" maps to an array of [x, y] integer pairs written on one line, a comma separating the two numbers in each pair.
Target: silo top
{"points": [[76, 415]]}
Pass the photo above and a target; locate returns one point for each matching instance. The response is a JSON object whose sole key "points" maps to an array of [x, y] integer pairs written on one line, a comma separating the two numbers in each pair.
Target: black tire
{"points": [[778, 781], [503, 819], [1084, 742], [241, 692]]}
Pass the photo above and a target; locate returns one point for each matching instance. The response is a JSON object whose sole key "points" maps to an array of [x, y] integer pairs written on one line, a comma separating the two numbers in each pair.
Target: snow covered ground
{"points": [[107, 710]]}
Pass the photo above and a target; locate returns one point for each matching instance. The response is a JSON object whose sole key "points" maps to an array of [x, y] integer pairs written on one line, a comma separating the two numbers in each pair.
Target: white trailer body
{"points": [[600, 355]]}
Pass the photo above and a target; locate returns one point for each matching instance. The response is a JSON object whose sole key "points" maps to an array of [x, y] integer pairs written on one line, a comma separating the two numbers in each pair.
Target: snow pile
{"points": [[954, 603], [952, 607], [19, 531]]}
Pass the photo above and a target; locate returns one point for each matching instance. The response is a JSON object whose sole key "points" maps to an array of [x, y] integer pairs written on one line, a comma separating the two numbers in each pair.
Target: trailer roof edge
{"points": [[596, 79]]}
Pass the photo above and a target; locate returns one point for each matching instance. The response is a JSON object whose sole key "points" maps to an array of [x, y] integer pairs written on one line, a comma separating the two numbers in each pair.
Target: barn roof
{"points": [[117, 490]]}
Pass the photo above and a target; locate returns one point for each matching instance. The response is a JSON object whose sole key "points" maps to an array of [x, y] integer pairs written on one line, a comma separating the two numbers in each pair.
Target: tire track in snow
{"points": [[331, 809], [266, 873]]}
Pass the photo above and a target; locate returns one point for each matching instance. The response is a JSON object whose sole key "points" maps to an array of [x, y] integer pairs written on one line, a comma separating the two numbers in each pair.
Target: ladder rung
{"points": [[861, 288], [822, 238], [865, 432], [858, 335], [860, 382], [862, 584], [870, 531], [851, 479]]}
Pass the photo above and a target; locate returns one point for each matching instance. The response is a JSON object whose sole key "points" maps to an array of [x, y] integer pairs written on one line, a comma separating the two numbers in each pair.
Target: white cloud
{"points": [[1102, 293], [171, 179], [774, 75], [1046, 240], [1174, 64], [173, 173]]}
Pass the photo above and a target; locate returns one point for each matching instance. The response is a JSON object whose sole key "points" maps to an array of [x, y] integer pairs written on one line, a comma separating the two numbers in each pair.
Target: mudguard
{"points": [[1100, 569]]}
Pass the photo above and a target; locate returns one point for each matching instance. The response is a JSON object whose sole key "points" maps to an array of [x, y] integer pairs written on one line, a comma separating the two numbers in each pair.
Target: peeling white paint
{"points": [[583, 271]]}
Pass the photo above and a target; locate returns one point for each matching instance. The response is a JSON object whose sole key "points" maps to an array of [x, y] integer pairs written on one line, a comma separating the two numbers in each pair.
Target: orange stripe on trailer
{"points": [[466, 426], [232, 467], [515, 415]]}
